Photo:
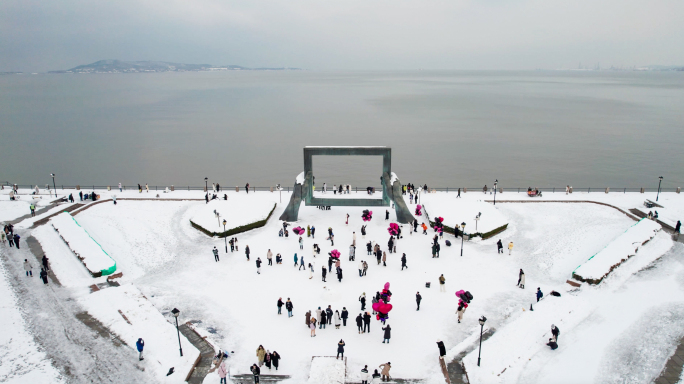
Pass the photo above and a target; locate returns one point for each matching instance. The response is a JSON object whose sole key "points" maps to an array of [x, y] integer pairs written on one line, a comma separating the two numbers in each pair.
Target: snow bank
{"points": [[83, 246], [457, 211], [127, 313], [326, 370], [239, 216], [615, 253]]}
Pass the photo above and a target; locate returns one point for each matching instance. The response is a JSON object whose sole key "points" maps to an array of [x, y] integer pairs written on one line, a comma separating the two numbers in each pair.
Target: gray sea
{"points": [[446, 128]]}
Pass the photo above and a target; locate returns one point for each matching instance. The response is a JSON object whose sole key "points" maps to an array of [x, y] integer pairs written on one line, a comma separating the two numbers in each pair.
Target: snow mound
{"points": [[127, 313], [83, 246], [236, 213], [619, 250], [326, 370], [457, 211]]}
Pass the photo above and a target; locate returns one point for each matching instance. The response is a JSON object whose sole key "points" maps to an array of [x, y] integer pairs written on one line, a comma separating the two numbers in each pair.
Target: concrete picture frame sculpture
{"points": [[391, 191]]}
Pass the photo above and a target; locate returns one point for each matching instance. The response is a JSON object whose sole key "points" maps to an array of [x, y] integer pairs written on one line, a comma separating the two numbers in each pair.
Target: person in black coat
{"points": [[280, 304], [387, 335], [275, 358], [555, 331], [345, 315], [340, 349], [329, 314], [43, 276], [499, 246], [16, 238], [418, 299], [324, 319], [386, 214], [366, 322], [403, 262], [359, 323], [369, 247], [339, 274], [325, 271], [80, 195], [289, 306], [415, 225], [330, 263], [390, 244], [46, 265], [442, 349], [256, 372]]}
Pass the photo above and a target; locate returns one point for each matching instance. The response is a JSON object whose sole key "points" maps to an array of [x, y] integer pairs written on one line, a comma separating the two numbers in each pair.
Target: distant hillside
{"points": [[118, 66]]}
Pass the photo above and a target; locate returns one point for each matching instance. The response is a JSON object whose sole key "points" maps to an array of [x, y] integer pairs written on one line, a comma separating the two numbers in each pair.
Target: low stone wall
{"points": [[236, 230]]}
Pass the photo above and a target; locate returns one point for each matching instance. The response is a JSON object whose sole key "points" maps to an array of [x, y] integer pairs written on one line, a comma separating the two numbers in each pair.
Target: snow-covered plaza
{"points": [[622, 330]]}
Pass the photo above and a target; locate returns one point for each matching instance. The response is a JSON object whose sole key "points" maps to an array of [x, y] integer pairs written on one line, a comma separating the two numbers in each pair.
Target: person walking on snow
{"points": [[521, 279], [418, 299], [140, 344], [301, 265], [280, 304], [289, 306], [27, 268], [329, 314], [222, 372], [43, 276], [261, 355], [359, 323], [256, 371], [295, 260], [385, 371], [325, 271], [216, 255], [442, 280], [499, 246], [539, 294], [312, 327], [345, 315], [46, 265], [387, 335], [246, 251], [269, 257], [275, 358], [403, 262], [338, 319], [442, 349], [16, 238], [365, 375], [386, 214], [460, 312], [258, 264], [366, 322], [324, 320], [352, 251], [362, 299], [555, 332], [354, 239], [340, 349], [510, 247], [347, 222]]}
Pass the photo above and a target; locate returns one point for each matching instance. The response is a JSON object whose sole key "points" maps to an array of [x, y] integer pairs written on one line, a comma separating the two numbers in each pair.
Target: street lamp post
{"points": [[55, 187], [225, 237], [462, 234], [176, 312], [206, 185], [482, 323], [495, 183], [660, 182], [280, 190]]}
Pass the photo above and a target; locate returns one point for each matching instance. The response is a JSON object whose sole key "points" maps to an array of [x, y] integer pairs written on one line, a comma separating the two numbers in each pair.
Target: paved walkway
{"points": [[206, 354], [673, 368]]}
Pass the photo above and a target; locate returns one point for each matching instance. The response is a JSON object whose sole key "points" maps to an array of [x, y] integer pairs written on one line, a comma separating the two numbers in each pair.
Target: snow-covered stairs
{"points": [[328, 370]]}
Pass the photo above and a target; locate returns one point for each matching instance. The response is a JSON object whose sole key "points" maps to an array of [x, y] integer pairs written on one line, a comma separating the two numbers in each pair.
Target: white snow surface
{"points": [[236, 211], [327, 370], [80, 242], [144, 321], [457, 211], [21, 360], [618, 250], [611, 329]]}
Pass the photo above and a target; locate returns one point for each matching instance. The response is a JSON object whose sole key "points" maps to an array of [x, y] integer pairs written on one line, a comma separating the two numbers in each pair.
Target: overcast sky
{"points": [[41, 35]]}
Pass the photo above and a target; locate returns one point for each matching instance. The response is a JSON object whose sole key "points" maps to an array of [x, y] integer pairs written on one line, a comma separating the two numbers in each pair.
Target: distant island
{"points": [[119, 66]]}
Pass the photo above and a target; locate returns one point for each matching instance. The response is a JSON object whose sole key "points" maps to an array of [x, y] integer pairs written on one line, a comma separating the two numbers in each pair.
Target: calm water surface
{"points": [[445, 128]]}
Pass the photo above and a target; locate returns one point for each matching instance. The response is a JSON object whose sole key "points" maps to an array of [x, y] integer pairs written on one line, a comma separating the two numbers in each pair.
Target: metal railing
{"points": [[5, 185]]}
